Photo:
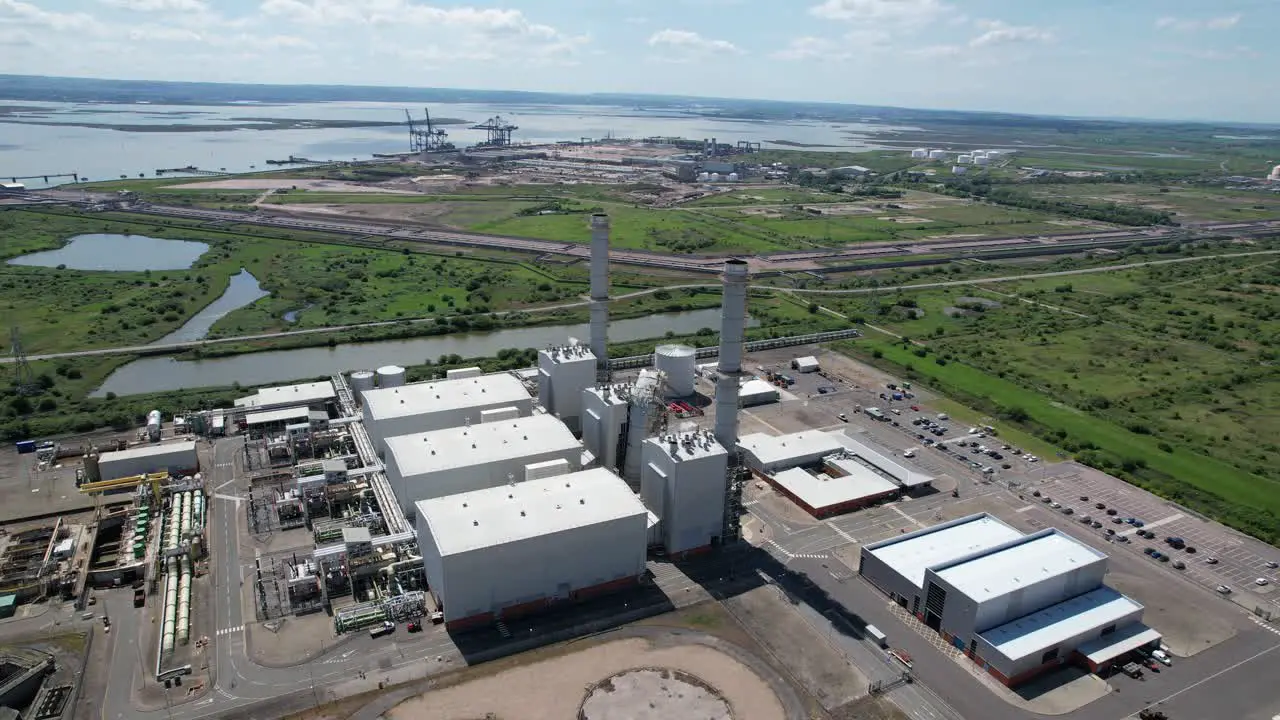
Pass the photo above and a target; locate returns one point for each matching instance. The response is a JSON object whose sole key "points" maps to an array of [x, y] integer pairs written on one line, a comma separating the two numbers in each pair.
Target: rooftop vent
{"points": [[521, 513], [475, 523]]}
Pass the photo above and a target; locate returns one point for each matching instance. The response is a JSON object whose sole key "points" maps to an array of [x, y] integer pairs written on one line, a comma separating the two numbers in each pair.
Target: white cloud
{"points": [[934, 52], [16, 38], [811, 48], [906, 12], [159, 5], [1224, 22], [997, 32], [22, 13], [687, 45]]}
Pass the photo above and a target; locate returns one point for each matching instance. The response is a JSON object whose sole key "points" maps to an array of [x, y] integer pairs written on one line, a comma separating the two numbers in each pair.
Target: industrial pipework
{"points": [[733, 322], [600, 289]]}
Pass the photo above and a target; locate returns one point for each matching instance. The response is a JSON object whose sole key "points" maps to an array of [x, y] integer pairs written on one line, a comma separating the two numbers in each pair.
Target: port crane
{"points": [[499, 131], [425, 137]]}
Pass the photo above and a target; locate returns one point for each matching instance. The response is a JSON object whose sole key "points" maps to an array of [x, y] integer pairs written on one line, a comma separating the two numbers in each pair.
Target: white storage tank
{"points": [[390, 376], [983, 160], [362, 380], [964, 159], [679, 363], [715, 177], [704, 177], [959, 169], [920, 153], [733, 177], [937, 154]]}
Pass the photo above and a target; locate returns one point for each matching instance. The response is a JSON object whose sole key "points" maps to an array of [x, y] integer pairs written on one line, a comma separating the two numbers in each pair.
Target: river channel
{"points": [[158, 374]]}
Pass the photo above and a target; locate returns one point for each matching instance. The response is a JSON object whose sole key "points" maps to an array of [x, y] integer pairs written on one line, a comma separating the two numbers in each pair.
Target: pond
{"points": [[118, 252], [159, 374], [241, 291]]}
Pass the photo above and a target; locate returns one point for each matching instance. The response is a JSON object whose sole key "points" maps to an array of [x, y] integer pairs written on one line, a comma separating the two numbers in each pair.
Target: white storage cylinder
{"points": [[679, 363], [362, 380], [390, 376]]}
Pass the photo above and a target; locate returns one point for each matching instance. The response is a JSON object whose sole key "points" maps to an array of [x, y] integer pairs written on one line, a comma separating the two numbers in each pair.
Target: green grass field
{"points": [[1162, 374], [1187, 203]]}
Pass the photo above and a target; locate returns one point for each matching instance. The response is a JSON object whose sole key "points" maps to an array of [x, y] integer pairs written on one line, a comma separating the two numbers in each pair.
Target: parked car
{"points": [[1162, 656], [901, 656], [1067, 511], [1149, 551], [1084, 498], [1100, 506], [1190, 549], [1163, 558], [915, 408], [1272, 564], [1211, 561], [1117, 521], [415, 626], [1055, 506], [386, 628], [1111, 511], [1096, 524], [1224, 589], [1261, 582], [1179, 565], [908, 453]]}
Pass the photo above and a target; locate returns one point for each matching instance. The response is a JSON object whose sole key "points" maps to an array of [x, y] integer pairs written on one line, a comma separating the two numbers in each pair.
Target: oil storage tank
{"points": [[679, 363], [361, 380], [390, 376]]}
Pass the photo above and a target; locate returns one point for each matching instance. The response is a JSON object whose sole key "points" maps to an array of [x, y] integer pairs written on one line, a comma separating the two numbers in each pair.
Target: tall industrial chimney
{"points": [[600, 288], [733, 322]]}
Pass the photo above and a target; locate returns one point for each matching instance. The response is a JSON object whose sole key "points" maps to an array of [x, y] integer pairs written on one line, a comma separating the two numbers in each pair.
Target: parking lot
{"points": [[1241, 561]]}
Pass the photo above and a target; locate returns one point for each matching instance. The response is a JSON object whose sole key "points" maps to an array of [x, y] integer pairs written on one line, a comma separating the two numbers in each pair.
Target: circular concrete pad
{"points": [[653, 694]]}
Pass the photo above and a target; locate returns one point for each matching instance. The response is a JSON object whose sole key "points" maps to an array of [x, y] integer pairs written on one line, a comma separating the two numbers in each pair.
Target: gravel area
{"points": [[554, 689]]}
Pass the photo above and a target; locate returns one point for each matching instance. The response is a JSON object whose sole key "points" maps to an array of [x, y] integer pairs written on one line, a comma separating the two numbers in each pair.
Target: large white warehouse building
{"points": [[505, 551], [682, 481], [461, 459], [439, 404], [178, 457], [1017, 605]]}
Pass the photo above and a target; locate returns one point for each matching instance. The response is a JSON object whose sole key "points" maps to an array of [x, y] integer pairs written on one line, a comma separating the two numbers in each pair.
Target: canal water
{"points": [[241, 291], [157, 374], [100, 251]]}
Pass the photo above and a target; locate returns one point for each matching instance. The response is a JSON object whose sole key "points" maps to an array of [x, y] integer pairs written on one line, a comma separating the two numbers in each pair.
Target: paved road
{"points": [[177, 347]]}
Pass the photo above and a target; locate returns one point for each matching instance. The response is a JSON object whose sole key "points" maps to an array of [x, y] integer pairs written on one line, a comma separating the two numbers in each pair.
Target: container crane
{"points": [[499, 131], [425, 137]]}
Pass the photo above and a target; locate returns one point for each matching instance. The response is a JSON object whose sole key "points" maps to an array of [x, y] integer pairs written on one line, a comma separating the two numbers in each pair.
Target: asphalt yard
{"points": [[1241, 560]]}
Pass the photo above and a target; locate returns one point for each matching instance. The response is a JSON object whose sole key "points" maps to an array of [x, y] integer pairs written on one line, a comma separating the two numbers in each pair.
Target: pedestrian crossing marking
{"points": [[230, 630]]}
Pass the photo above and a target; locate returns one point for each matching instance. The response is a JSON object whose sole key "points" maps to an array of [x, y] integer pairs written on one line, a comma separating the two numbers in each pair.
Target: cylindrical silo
{"points": [[600, 287], [361, 380], [733, 321], [390, 376], [679, 362]]}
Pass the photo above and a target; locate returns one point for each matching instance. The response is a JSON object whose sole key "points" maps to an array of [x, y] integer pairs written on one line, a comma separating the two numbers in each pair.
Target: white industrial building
{"points": [[824, 494], [754, 391], [604, 413], [901, 473], [768, 454], [1016, 605], [314, 395], [461, 459], [177, 458], [438, 404], [683, 481], [920, 153], [806, 364], [563, 373], [504, 551]]}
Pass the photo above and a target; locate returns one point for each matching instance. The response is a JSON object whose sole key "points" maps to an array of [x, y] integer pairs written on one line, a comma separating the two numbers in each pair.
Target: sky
{"points": [[1173, 59]]}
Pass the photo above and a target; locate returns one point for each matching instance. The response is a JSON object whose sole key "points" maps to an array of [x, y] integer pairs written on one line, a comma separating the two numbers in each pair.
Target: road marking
{"points": [[1265, 625], [908, 517], [779, 548], [1025, 508], [1223, 671], [812, 556], [230, 630], [849, 538]]}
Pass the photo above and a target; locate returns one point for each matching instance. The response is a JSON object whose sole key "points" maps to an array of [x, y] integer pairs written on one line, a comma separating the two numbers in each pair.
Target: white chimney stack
{"points": [[600, 288], [733, 323]]}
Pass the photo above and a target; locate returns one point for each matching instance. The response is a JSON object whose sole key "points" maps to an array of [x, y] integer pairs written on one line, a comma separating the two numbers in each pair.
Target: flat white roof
{"points": [[356, 535], [144, 451], [1033, 634], [273, 416], [301, 394], [1126, 639], [444, 396], [771, 449], [806, 361], [911, 554], [452, 448], [756, 388], [1003, 571], [818, 493], [689, 445], [899, 471], [512, 513]]}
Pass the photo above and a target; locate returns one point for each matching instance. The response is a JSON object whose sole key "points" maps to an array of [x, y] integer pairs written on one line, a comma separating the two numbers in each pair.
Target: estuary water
{"points": [[46, 137], [99, 251]]}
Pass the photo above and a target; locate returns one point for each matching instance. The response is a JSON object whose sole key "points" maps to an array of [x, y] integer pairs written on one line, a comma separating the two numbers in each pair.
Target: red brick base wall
{"points": [[512, 612]]}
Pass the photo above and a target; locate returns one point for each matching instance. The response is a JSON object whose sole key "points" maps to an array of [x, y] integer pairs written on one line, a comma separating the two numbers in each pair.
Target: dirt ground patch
{"points": [[653, 694], [340, 186], [808, 656], [869, 708], [905, 219], [553, 689]]}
